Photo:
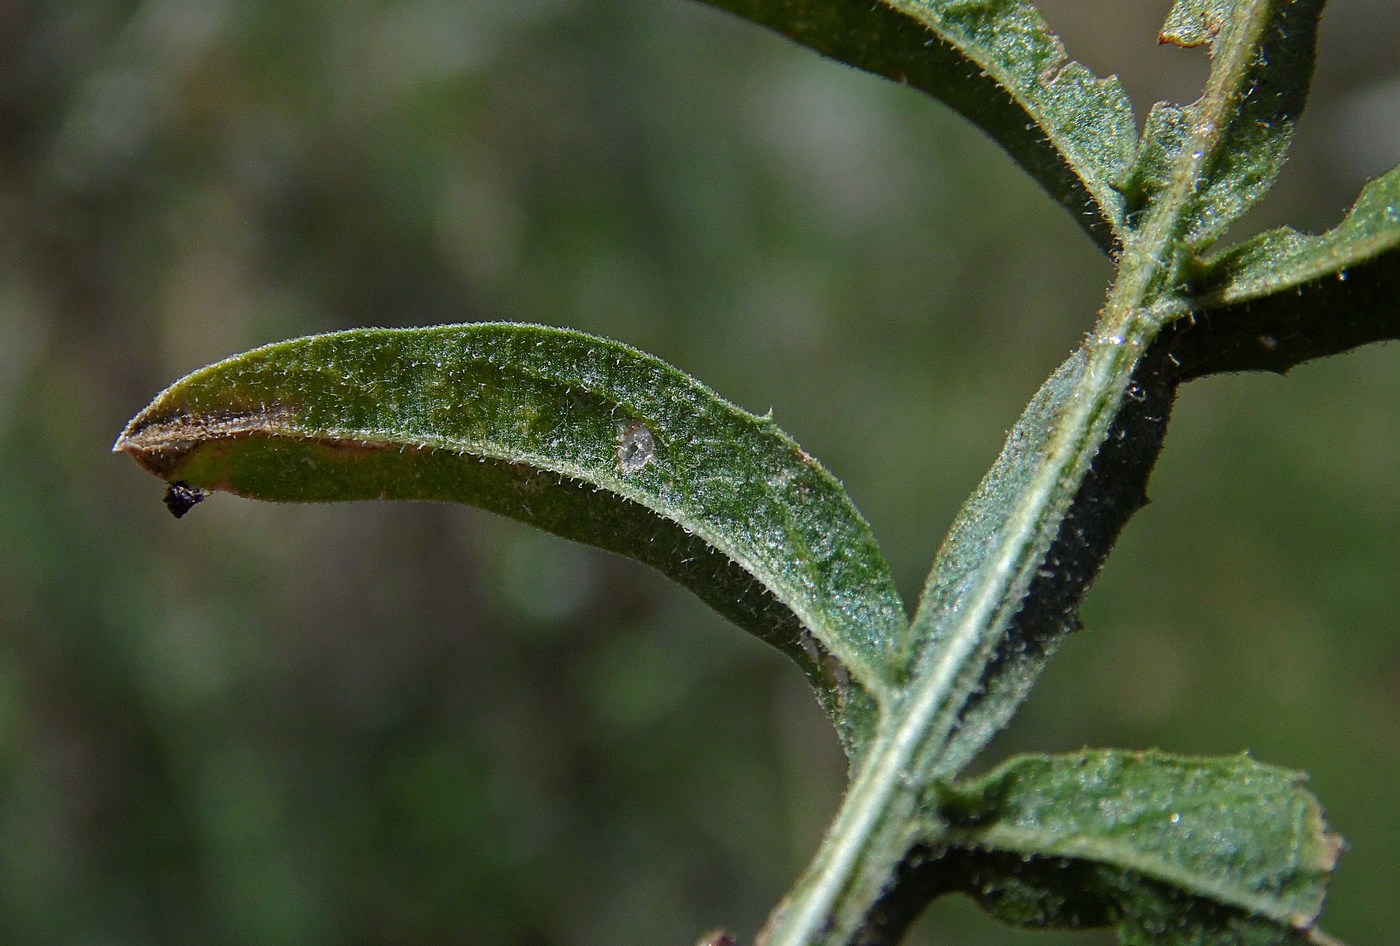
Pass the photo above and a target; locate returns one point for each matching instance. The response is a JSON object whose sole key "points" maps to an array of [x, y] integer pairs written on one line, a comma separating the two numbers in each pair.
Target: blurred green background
{"points": [[420, 724]]}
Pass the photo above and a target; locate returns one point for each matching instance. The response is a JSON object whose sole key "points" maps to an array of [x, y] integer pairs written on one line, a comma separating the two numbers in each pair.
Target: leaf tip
{"points": [[1191, 24], [126, 441]]}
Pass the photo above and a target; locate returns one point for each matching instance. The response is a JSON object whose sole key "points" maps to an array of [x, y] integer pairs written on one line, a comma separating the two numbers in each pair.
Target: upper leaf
{"points": [[1284, 296], [582, 436], [1209, 162], [1172, 850], [997, 63]]}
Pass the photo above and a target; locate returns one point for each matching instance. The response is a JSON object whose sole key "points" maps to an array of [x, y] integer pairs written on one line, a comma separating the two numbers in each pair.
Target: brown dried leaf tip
{"points": [[181, 497]]}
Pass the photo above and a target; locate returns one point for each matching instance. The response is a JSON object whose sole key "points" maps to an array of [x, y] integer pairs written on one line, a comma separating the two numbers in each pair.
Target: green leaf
{"points": [[1004, 592], [1048, 595], [582, 436], [996, 63], [1284, 259], [1170, 849], [1285, 297], [1212, 160]]}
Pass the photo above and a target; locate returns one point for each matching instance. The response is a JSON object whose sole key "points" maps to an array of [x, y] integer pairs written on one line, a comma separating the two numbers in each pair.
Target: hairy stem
{"points": [[874, 830]]}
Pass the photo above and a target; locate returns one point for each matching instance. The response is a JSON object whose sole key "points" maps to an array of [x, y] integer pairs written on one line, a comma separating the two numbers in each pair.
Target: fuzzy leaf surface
{"points": [[1170, 849], [997, 63], [578, 435], [1284, 259], [1285, 297], [1213, 159], [1078, 539]]}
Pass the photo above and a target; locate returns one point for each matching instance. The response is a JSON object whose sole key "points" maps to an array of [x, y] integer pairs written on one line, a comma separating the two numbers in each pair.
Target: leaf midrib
{"points": [[1128, 858]]}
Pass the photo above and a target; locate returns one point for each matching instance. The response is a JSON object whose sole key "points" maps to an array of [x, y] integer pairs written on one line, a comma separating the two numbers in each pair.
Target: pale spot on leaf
{"points": [[636, 448]]}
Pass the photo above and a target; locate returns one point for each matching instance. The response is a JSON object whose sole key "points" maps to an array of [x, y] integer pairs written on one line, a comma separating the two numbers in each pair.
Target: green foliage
{"points": [[581, 436], [1048, 597], [1285, 259], [1223, 151], [1285, 297], [597, 442], [997, 63], [1169, 848]]}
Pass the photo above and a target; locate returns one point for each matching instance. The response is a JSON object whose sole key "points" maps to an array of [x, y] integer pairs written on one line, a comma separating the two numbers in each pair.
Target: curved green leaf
{"points": [[1212, 160], [996, 63], [1285, 297], [582, 436], [1172, 850]]}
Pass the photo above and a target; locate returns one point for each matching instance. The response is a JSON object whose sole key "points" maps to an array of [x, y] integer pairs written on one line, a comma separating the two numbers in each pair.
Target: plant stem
{"points": [[878, 825]]}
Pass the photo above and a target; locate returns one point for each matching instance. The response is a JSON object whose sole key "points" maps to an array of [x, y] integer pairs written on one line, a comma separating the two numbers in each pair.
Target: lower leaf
{"points": [[1168, 849]]}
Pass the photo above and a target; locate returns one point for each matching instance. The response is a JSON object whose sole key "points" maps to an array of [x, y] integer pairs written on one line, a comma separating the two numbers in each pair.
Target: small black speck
{"points": [[181, 497]]}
